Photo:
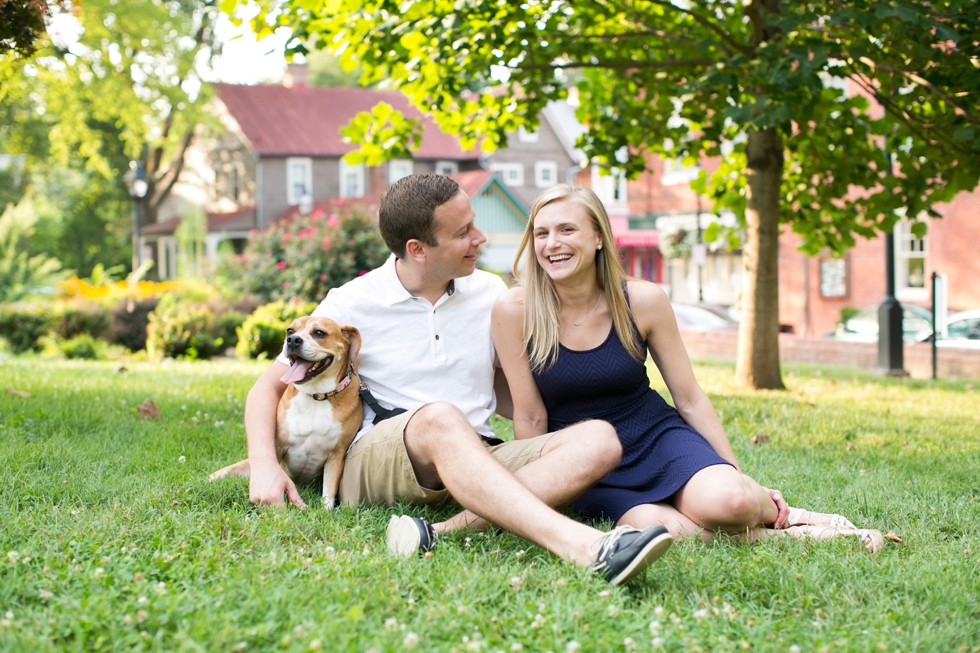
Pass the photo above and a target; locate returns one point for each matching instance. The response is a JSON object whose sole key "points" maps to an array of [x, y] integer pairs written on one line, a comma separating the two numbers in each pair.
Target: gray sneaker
{"points": [[626, 551], [407, 536]]}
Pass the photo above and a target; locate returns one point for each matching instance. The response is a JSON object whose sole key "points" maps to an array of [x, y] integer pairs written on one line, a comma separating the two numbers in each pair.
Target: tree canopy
{"points": [[127, 89], [759, 83]]}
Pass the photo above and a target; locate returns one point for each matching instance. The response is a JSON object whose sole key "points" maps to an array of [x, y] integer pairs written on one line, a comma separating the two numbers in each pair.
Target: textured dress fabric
{"points": [[661, 452]]}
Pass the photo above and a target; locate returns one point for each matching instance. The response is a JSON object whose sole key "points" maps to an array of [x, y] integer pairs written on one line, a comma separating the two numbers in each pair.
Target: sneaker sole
{"points": [[402, 537], [646, 557]]}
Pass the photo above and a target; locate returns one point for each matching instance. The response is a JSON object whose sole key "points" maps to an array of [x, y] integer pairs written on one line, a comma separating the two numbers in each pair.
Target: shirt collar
{"points": [[395, 292]]}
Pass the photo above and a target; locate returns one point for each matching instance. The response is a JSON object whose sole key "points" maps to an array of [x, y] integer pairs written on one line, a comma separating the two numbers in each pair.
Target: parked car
{"points": [[962, 331], [696, 318], [863, 326]]}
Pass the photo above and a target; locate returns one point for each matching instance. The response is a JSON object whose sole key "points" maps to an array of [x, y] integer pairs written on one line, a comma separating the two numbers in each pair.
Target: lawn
{"points": [[113, 539]]}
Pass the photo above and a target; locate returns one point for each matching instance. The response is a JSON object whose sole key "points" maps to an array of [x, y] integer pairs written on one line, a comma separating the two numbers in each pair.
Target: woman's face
{"points": [[565, 241]]}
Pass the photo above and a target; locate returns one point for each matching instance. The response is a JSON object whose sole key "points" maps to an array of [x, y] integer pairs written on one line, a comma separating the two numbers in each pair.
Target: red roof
{"points": [[332, 205], [239, 220], [306, 121], [472, 182]]}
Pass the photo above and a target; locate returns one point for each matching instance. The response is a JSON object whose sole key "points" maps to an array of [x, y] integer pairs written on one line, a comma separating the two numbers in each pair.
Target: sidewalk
{"points": [[952, 363]]}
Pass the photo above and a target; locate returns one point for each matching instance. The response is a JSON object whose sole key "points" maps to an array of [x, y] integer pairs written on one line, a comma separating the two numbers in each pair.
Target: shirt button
{"points": [[437, 336]]}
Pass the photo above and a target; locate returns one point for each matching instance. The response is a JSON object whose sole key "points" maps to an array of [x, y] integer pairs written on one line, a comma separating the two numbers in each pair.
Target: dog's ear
{"points": [[354, 337]]}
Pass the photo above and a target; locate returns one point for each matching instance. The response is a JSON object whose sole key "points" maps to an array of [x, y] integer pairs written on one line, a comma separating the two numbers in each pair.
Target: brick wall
{"points": [[952, 363], [952, 247]]}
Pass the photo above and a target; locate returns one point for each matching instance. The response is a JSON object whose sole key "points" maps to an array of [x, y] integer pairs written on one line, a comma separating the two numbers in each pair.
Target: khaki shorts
{"points": [[378, 469]]}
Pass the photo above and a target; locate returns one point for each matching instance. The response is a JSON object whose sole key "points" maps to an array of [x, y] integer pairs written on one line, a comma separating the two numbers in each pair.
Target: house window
{"points": [[351, 179], [611, 188], [833, 277], [447, 167], [525, 136], [399, 168], [545, 174], [910, 263], [299, 179], [511, 173]]}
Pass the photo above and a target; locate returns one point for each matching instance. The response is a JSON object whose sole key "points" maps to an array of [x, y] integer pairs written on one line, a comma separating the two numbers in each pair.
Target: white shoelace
{"points": [[607, 542]]}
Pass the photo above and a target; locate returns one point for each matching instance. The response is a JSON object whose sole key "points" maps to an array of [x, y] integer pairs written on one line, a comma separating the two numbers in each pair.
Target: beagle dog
{"points": [[320, 411]]}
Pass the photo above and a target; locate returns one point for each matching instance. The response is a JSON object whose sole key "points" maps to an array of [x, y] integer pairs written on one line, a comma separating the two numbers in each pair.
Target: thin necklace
{"points": [[580, 323]]}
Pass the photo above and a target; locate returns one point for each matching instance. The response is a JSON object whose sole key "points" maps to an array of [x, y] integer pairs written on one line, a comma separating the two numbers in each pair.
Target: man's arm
{"points": [[267, 480]]}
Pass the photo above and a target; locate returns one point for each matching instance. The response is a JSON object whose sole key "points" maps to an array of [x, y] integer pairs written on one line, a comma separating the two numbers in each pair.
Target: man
{"points": [[424, 319]]}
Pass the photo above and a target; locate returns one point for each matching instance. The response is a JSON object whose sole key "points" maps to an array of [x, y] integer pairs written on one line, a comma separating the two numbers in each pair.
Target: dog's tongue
{"points": [[297, 371]]}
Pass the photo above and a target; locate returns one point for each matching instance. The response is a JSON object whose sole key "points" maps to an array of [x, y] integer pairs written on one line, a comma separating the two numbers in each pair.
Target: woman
{"points": [[572, 341]]}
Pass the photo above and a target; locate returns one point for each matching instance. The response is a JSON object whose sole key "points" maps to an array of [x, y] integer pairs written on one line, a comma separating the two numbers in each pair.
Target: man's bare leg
{"points": [[445, 452], [573, 460]]}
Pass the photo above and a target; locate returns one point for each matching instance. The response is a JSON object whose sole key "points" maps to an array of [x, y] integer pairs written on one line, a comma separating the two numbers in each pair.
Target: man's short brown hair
{"points": [[408, 207]]}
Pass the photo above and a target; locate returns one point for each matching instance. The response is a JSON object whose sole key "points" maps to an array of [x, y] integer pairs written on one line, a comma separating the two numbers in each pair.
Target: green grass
{"points": [[114, 543]]}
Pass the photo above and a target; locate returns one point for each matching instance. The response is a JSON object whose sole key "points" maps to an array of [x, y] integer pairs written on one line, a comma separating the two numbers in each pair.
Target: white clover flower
{"points": [[515, 582], [572, 646], [700, 614], [182, 460], [654, 627], [659, 611], [391, 624], [657, 642], [141, 600], [98, 572], [411, 640], [612, 610], [519, 553], [12, 557], [794, 649]]}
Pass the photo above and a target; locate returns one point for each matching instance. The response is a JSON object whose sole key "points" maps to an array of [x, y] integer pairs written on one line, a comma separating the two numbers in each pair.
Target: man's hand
{"points": [[782, 507], [266, 487]]}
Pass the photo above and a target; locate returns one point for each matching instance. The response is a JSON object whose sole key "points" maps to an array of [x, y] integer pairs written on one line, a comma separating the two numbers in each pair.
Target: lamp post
{"points": [[137, 185], [891, 353]]}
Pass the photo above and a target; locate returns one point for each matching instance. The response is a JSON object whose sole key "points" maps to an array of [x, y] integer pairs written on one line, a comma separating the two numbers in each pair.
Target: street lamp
{"points": [[135, 179], [891, 353]]}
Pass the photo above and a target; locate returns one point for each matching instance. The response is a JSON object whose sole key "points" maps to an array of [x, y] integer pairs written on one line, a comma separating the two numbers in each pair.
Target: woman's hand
{"points": [[781, 506]]}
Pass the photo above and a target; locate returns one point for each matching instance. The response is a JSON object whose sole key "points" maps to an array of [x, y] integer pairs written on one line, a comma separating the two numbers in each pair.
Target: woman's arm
{"points": [[507, 328], [655, 320]]}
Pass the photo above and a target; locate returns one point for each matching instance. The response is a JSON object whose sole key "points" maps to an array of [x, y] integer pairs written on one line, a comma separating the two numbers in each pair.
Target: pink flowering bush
{"points": [[304, 257]]}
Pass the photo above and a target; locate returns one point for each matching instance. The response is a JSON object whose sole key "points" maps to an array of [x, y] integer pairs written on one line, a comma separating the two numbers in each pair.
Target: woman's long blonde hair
{"points": [[542, 324]]}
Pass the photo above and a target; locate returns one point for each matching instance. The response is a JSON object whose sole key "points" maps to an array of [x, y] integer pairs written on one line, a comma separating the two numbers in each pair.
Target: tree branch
{"points": [[677, 63], [902, 116], [924, 82], [176, 167], [706, 23]]}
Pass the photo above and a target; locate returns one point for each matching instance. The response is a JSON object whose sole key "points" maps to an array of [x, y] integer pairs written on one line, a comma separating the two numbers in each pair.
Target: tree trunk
{"points": [[757, 363]]}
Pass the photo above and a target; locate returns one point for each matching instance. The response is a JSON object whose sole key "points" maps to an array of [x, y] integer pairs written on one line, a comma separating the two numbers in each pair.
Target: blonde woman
{"points": [[572, 340]]}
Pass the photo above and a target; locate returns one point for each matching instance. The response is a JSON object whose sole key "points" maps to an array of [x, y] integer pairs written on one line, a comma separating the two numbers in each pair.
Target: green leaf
{"points": [[964, 133]]}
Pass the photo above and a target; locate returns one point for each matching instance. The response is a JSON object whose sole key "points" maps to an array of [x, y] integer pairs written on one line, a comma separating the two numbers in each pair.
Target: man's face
{"points": [[458, 240]]}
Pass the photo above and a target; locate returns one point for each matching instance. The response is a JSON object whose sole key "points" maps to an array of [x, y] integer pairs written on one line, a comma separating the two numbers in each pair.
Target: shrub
{"points": [[130, 319], [262, 333], [304, 257], [180, 330], [82, 346], [76, 317], [22, 325]]}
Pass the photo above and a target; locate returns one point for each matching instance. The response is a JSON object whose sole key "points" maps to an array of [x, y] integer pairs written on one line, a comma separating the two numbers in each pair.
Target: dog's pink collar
{"points": [[340, 387]]}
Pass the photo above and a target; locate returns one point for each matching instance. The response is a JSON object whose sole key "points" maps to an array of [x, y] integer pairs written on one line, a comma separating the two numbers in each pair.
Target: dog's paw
{"points": [[329, 503]]}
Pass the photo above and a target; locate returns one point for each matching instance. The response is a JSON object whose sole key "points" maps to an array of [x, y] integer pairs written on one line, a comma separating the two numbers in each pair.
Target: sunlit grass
{"points": [[112, 538]]}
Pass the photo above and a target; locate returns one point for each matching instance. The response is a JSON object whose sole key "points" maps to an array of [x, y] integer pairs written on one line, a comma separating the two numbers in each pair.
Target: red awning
{"points": [[638, 238]]}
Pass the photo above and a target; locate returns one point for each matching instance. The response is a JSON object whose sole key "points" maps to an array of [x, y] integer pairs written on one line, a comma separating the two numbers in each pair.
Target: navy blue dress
{"points": [[660, 451]]}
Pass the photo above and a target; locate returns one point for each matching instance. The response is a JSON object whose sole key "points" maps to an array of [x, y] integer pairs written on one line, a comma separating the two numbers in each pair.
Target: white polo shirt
{"points": [[414, 353]]}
